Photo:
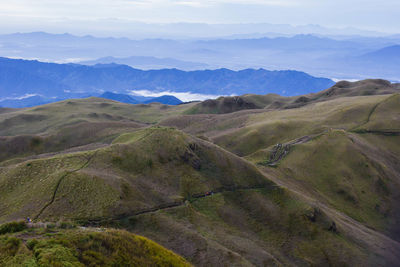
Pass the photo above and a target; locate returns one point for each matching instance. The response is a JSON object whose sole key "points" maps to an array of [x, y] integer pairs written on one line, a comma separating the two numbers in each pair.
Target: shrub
{"points": [[31, 243], [12, 227], [67, 225], [50, 226], [10, 246]]}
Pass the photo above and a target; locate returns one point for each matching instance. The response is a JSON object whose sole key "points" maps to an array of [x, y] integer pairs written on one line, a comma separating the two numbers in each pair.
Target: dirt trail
{"points": [[59, 182], [368, 238], [364, 236], [281, 150], [169, 205], [372, 111]]}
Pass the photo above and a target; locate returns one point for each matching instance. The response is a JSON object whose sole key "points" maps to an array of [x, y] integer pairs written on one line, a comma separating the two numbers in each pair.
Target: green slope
{"points": [[86, 247], [218, 191]]}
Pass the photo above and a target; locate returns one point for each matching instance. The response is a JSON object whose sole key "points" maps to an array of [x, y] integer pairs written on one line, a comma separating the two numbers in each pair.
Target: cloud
{"points": [[184, 96], [19, 97]]}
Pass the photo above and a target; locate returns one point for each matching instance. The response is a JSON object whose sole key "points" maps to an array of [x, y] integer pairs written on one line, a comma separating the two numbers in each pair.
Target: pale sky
{"points": [[29, 15]]}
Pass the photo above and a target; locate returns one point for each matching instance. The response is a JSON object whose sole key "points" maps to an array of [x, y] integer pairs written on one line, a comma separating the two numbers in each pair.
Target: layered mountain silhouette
{"points": [[36, 100], [387, 55], [142, 62], [165, 99], [318, 55], [21, 77]]}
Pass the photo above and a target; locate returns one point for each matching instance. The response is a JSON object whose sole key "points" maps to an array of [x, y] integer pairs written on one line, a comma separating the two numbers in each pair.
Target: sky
{"points": [[119, 15]]}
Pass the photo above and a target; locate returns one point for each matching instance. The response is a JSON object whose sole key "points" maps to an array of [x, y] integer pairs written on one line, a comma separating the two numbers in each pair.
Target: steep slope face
{"points": [[349, 173], [341, 152], [251, 227], [169, 165], [89, 247], [159, 180]]}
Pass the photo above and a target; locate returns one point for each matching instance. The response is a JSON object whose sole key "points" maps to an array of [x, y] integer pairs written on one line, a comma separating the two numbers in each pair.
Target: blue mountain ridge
{"points": [[20, 77]]}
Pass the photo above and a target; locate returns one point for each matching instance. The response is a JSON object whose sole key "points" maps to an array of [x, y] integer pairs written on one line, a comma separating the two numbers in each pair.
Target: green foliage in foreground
{"points": [[85, 248], [12, 227]]}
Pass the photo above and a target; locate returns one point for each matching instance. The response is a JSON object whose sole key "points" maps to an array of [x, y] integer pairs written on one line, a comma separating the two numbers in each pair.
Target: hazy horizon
{"points": [[180, 18]]}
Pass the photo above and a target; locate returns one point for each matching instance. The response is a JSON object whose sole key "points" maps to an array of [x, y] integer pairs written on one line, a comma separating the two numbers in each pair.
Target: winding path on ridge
{"points": [[59, 182], [281, 150], [165, 206]]}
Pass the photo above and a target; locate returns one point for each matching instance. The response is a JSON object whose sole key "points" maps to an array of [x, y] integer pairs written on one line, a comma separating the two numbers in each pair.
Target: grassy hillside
{"points": [[167, 164], [312, 180], [341, 173], [272, 101], [83, 247], [71, 123], [162, 174], [266, 128], [72, 112]]}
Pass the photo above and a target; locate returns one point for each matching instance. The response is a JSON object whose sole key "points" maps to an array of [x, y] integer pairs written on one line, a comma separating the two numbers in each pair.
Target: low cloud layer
{"points": [[19, 97], [184, 96]]}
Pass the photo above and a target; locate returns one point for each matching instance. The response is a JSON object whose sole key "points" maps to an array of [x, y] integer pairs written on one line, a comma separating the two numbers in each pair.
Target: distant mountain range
{"points": [[387, 55], [181, 30], [318, 55], [147, 63], [19, 78], [36, 100], [29, 101], [165, 99]]}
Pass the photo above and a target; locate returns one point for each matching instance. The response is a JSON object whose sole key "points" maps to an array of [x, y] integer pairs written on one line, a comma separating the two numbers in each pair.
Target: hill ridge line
{"points": [[372, 111]]}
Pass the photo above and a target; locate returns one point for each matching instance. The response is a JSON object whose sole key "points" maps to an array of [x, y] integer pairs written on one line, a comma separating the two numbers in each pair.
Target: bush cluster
{"points": [[12, 227]]}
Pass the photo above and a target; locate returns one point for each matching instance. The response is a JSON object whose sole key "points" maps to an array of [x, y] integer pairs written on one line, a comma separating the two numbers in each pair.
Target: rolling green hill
{"points": [[246, 181], [51, 246]]}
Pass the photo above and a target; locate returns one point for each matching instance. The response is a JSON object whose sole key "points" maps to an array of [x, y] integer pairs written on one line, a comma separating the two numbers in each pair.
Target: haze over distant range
{"points": [[335, 40], [121, 17], [29, 83], [349, 57]]}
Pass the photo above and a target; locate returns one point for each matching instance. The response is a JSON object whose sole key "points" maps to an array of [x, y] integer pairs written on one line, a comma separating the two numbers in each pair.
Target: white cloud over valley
{"points": [[184, 96]]}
